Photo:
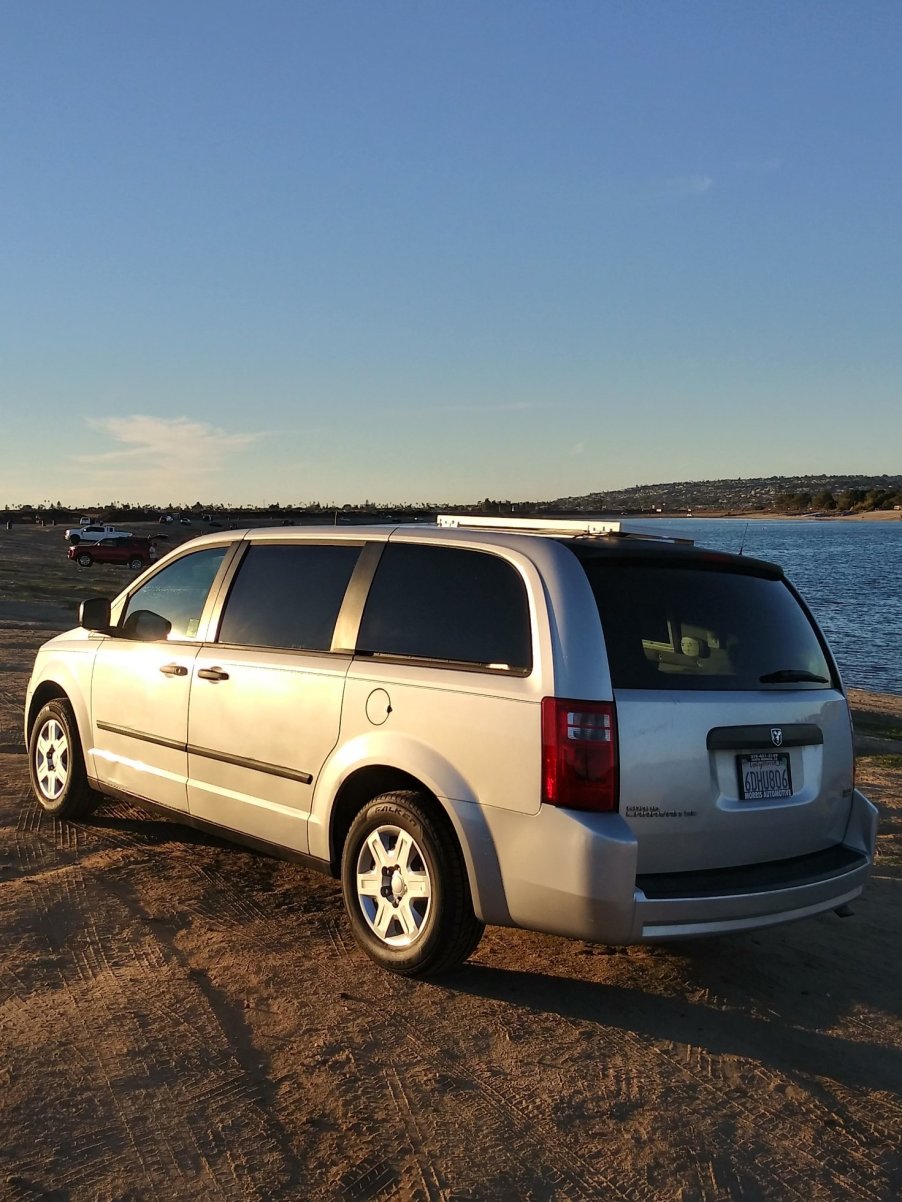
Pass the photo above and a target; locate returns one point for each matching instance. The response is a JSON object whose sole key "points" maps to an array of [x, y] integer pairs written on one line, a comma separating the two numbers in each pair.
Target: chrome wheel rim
{"points": [[394, 887], [51, 759]]}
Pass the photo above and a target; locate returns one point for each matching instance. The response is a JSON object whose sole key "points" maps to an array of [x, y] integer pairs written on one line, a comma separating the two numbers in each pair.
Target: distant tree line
{"points": [[851, 500], [786, 494]]}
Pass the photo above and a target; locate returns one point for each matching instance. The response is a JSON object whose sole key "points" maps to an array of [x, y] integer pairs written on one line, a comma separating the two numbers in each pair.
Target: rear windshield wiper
{"points": [[791, 676]]}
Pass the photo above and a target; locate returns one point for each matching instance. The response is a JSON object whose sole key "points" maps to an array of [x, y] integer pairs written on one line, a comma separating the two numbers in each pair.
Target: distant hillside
{"points": [[774, 494], [781, 493]]}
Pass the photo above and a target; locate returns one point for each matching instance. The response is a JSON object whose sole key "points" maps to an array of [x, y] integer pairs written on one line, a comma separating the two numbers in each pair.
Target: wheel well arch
{"points": [[362, 787], [47, 690]]}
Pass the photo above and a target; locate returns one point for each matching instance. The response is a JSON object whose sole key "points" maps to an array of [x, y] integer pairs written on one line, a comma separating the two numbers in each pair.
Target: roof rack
{"points": [[574, 527]]}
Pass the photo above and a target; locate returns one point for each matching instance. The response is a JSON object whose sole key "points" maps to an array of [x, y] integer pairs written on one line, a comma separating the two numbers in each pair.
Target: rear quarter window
{"points": [[448, 605], [682, 627]]}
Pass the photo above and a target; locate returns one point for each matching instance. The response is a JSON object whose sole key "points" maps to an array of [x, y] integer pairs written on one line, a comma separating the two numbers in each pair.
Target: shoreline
{"points": [[875, 515], [749, 515]]}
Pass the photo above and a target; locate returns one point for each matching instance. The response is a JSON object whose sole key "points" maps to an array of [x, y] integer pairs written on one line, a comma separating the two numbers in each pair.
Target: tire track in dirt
{"points": [[208, 1128], [89, 990], [797, 1119], [437, 1111], [11, 698], [733, 1121], [412, 1166], [512, 1134], [373, 1176], [417, 1082], [690, 1073]]}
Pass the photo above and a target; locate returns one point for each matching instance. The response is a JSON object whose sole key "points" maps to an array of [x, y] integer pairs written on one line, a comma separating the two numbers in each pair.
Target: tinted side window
{"points": [[442, 603], [288, 596], [177, 592], [690, 628]]}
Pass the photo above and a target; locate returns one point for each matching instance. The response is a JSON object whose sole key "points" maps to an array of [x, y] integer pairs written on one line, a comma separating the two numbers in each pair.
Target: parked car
{"points": [[569, 727], [135, 552], [94, 532]]}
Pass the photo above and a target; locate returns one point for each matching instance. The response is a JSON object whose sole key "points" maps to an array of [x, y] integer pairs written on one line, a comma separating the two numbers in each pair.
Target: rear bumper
{"points": [[690, 917], [806, 886], [575, 874]]}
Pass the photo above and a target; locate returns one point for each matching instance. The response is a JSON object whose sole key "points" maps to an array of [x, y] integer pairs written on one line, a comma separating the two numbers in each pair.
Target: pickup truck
{"points": [[135, 552], [94, 533]]}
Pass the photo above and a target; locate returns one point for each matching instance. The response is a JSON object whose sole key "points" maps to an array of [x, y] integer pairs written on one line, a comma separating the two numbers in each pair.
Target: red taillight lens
{"points": [[579, 754]]}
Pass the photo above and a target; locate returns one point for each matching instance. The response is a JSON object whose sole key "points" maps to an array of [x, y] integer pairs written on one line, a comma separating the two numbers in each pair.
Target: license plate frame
{"points": [[771, 778]]}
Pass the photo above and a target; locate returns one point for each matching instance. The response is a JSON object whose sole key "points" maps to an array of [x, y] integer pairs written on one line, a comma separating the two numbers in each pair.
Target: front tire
{"points": [[84, 560], [57, 764], [405, 887]]}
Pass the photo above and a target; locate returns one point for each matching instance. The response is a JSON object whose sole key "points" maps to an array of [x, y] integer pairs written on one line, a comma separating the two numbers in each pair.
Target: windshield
{"points": [[695, 627]]}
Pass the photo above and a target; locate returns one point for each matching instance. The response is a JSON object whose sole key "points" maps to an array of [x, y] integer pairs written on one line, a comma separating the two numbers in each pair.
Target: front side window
{"points": [[288, 595], [175, 595], [687, 627], [449, 605]]}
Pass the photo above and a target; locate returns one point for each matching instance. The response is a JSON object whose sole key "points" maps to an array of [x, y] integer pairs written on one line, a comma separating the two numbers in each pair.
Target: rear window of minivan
{"points": [[686, 625]]}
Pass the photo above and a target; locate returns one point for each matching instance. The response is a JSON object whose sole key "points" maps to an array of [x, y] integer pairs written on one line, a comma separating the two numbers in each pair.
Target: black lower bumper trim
{"points": [[753, 878]]}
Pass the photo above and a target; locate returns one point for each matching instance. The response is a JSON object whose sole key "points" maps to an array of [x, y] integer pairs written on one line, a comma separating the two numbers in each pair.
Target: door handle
{"points": [[174, 670], [212, 674]]}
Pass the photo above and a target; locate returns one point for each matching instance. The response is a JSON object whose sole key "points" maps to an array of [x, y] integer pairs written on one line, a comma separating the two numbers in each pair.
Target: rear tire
{"points": [[406, 889], [135, 563], [57, 764]]}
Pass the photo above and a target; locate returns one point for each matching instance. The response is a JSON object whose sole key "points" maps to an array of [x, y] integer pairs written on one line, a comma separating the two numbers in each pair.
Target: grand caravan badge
{"points": [[776, 736]]}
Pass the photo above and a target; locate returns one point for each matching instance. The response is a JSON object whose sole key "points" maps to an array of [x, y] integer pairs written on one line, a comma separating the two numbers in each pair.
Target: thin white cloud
{"points": [[578, 448], [689, 185], [158, 455]]}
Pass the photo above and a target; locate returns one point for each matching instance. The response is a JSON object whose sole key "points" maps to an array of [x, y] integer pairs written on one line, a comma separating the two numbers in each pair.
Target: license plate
{"points": [[764, 776]]}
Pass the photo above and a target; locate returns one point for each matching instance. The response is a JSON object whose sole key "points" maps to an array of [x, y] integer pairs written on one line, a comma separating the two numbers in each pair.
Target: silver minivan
{"points": [[564, 726]]}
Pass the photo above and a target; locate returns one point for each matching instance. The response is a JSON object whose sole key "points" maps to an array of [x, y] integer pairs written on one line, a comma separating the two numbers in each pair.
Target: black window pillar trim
{"points": [[344, 637]]}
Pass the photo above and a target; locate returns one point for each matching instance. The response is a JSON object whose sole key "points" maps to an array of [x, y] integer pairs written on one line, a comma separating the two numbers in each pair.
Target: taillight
{"points": [[579, 754]]}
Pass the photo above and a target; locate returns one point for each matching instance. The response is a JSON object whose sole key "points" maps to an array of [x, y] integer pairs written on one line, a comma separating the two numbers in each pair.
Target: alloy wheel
{"points": [[51, 759], [394, 887]]}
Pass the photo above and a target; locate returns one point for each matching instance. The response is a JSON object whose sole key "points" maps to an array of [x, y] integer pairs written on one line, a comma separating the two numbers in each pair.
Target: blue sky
{"points": [[293, 251]]}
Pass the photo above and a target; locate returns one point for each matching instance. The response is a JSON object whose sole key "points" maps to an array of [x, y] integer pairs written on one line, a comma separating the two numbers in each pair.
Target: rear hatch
{"points": [[734, 737]]}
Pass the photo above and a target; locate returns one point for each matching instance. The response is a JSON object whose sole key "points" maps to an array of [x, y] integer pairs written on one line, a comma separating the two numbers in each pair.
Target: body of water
{"points": [[850, 574]]}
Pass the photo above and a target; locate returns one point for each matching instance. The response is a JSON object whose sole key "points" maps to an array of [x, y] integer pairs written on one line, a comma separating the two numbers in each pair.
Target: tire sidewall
{"points": [[395, 813], [84, 560]]}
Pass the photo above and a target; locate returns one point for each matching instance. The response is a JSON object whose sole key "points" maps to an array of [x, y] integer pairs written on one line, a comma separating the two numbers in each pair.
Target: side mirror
{"points": [[94, 614], [146, 626]]}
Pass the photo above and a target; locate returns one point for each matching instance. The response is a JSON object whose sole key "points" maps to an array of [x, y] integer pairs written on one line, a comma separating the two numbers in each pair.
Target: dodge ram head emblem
{"points": [[776, 736]]}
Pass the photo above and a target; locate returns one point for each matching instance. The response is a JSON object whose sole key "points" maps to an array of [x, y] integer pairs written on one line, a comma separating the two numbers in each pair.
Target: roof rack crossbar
{"points": [[575, 527]]}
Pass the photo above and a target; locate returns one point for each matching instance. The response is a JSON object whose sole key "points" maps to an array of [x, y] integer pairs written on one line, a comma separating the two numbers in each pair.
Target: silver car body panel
{"points": [[682, 800], [575, 874]]}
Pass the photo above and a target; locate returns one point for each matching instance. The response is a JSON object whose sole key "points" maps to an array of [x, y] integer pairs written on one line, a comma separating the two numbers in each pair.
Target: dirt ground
{"points": [[181, 1019]]}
